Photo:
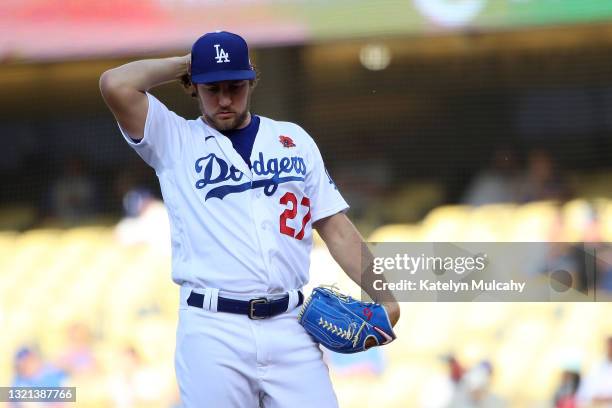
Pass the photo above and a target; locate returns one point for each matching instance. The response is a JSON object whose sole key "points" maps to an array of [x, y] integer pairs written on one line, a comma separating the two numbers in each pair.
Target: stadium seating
{"points": [[50, 278]]}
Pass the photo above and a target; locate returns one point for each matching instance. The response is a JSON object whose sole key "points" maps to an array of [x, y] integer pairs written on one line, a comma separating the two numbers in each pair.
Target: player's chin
{"points": [[224, 124]]}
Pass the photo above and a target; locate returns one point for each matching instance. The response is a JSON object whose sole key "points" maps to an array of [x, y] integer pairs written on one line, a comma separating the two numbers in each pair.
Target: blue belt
{"points": [[256, 309]]}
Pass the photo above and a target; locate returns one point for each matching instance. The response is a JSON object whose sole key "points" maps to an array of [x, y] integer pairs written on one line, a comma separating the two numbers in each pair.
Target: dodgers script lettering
{"points": [[215, 170]]}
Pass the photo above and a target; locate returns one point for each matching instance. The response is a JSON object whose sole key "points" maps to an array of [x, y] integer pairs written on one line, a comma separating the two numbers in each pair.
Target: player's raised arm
{"points": [[124, 87], [345, 244]]}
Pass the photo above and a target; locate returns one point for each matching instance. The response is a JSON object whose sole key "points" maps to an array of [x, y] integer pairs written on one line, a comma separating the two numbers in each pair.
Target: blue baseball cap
{"points": [[220, 56]]}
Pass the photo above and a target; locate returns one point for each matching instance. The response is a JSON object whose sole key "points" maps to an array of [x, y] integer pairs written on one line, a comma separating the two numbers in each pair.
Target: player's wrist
{"points": [[183, 65], [393, 310]]}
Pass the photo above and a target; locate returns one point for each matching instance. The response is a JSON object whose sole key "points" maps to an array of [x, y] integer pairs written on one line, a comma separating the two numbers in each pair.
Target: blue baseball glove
{"points": [[343, 324]]}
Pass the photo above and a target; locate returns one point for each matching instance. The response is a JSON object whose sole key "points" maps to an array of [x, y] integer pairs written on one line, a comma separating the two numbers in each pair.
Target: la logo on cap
{"points": [[222, 56]]}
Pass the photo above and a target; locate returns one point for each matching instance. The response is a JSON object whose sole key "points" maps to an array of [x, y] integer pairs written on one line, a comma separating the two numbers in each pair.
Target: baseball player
{"points": [[243, 193]]}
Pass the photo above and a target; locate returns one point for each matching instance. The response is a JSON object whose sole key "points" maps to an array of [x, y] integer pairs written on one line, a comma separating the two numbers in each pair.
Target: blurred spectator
{"points": [[73, 193], [135, 384], [591, 224], [562, 255], [146, 221], [77, 358], [574, 242], [595, 245], [474, 389], [593, 237], [455, 369], [136, 200], [565, 395], [496, 184], [596, 389], [134, 176], [604, 267], [542, 180], [32, 371], [440, 390]]}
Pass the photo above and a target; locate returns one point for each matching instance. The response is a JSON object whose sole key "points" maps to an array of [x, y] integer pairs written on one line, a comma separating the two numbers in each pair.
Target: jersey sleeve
{"points": [[163, 137], [325, 199]]}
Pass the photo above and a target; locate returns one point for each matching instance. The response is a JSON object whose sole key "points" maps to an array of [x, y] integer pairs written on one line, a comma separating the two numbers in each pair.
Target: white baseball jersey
{"points": [[240, 230]]}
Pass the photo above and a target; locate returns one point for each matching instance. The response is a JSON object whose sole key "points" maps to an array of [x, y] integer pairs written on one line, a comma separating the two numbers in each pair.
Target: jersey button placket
{"points": [[263, 227]]}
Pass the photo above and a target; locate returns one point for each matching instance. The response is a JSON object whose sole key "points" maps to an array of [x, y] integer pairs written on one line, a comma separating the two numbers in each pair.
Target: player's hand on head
{"points": [[186, 60]]}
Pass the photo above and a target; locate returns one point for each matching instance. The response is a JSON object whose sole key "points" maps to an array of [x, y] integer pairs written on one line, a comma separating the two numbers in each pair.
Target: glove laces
{"points": [[350, 334]]}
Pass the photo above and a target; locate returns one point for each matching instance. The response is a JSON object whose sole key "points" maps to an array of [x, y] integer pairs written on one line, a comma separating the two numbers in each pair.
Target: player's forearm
{"points": [[347, 247], [146, 74]]}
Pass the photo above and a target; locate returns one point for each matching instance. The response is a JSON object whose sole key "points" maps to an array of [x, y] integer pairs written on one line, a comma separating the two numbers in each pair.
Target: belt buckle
{"points": [[252, 304]]}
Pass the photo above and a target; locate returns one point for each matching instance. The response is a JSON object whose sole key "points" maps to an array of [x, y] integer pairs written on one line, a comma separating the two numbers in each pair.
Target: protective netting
{"points": [[411, 131]]}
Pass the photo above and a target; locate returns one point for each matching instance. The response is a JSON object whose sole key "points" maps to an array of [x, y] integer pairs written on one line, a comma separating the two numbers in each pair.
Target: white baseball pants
{"points": [[227, 360]]}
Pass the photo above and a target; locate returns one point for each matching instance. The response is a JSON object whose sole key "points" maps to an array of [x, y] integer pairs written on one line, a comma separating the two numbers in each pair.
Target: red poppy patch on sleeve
{"points": [[286, 141]]}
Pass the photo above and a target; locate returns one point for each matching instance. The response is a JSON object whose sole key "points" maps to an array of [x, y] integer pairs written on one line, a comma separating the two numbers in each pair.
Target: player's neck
{"points": [[246, 121]]}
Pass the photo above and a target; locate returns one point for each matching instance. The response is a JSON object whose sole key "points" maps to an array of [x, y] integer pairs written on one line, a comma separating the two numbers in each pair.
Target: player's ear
{"points": [[189, 86]]}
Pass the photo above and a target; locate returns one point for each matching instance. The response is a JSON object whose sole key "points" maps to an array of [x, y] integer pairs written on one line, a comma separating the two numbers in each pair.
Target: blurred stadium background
{"points": [[440, 120]]}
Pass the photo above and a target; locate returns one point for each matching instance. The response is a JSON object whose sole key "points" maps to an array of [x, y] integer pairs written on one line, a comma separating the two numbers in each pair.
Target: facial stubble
{"points": [[224, 126]]}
